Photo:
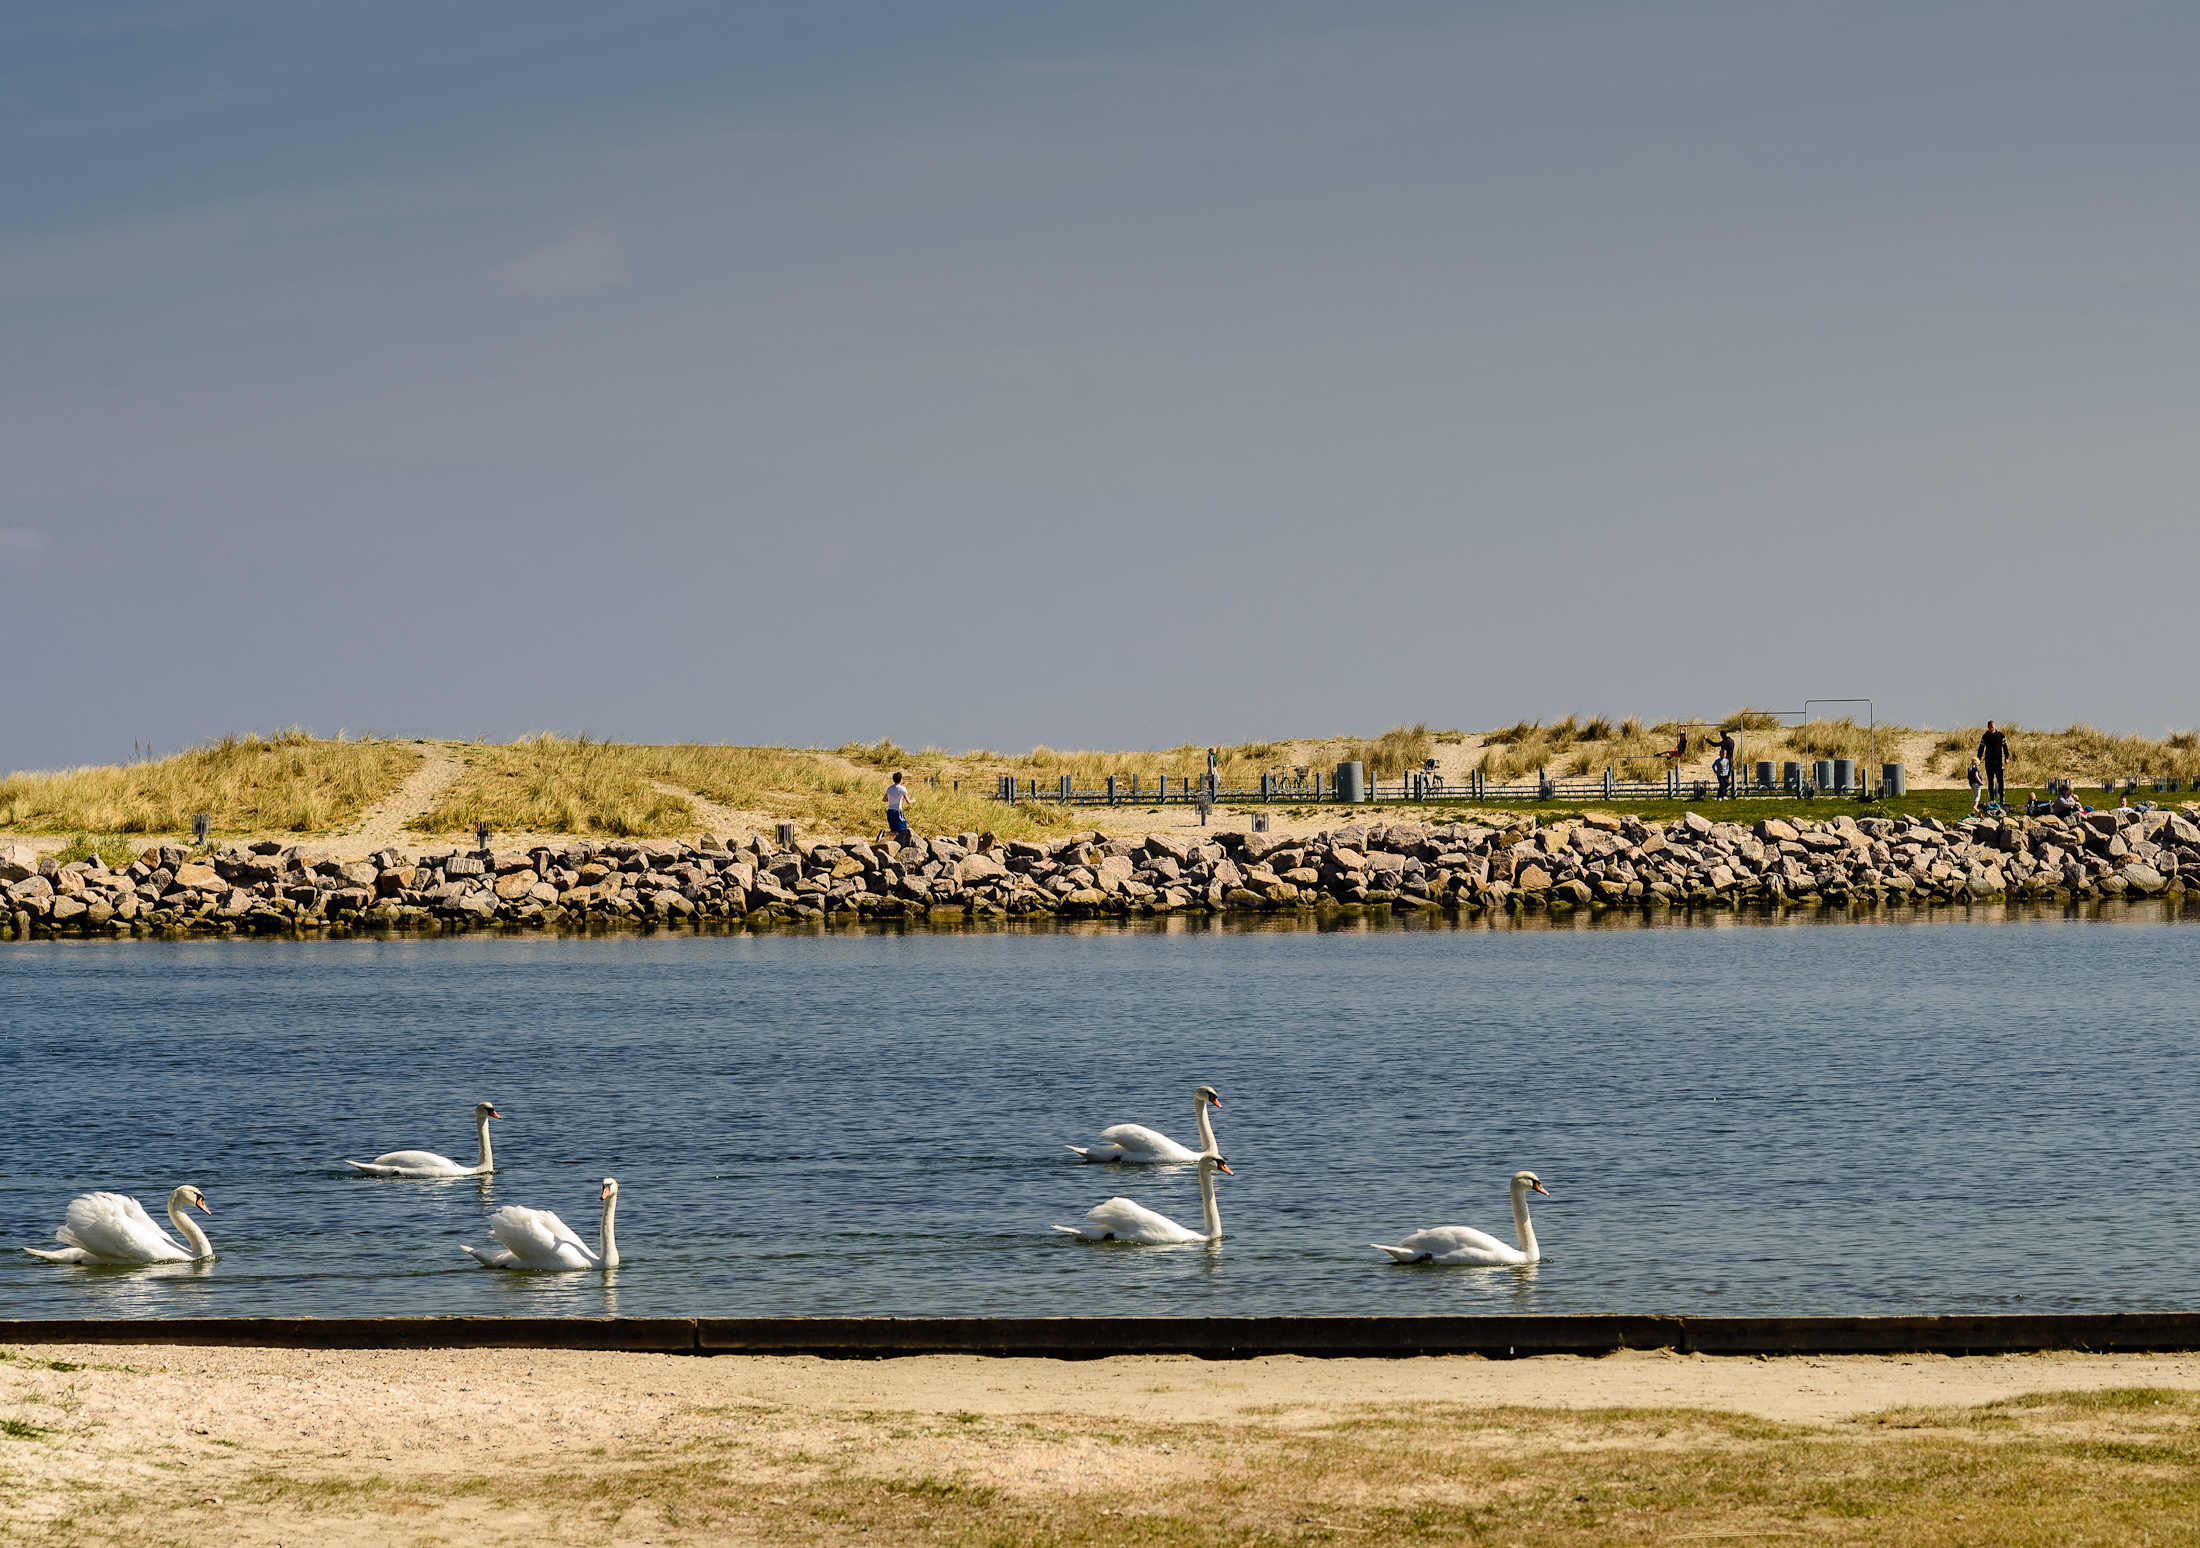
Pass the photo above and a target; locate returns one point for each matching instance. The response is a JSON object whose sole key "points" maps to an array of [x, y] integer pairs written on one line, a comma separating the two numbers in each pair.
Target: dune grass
{"points": [[115, 850], [2081, 752], [294, 783], [2052, 1468], [547, 784], [289, 782], [1573, 747]]}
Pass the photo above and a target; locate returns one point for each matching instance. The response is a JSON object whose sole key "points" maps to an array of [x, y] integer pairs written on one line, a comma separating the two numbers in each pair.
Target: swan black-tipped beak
{"points": [[1224, 1166], [1538, 1187], [201, 1202]]}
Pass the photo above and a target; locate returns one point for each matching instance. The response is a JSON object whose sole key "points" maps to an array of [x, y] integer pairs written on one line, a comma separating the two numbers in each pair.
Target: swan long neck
{"points": [[1206, 1125], [1210, 1211], [1523, 1227], [488, 1161], [188, 1229], [610, 1242]]}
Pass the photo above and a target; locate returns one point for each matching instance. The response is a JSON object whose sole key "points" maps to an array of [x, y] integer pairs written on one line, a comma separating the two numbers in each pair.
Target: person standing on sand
{"points": [[1993, 751], [897, 802]]}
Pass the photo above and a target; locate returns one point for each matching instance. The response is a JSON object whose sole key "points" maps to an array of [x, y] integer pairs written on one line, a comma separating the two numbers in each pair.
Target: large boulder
{"points": [[979, 868], [2141, 877], [1175, 846]]}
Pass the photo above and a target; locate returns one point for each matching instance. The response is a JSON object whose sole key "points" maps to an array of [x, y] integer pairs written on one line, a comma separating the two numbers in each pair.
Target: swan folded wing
{"points": [[537, 1237], [115, 1226], [1462, 1242], [1127, 1220], [1135, 1140], [409, 1161]]}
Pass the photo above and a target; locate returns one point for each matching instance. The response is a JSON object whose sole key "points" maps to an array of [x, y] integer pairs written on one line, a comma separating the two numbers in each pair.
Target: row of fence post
{"points": [[1830, 776]]}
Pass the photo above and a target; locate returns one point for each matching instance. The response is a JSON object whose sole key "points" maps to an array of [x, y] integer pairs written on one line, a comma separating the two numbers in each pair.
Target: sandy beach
{"points": [[273, 1446]]}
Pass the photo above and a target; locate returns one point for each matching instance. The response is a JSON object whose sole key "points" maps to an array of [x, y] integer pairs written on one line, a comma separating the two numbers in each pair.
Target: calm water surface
{"points": [[1755, 1118]]}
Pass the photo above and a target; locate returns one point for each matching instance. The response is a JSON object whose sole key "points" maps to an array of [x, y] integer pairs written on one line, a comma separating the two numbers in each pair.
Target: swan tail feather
{"points": [[1065, 1230], [69, 1254], [1399, 1254], [1081, 1150]]}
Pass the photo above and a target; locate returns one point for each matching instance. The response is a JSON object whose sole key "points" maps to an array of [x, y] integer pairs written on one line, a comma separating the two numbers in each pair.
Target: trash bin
{"points": [[1893, 780], [1791, 778], [1764, 776], [1351, 782], [1821, 774], [1844, 776]]}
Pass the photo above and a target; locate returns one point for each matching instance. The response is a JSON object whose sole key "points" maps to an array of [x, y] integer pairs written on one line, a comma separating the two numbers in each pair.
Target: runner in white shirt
{"points": [[897, 800]]}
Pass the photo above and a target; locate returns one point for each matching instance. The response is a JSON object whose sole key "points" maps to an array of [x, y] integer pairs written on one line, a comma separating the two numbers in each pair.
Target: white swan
{"points": [[114, 1228], [426, 1163], [1137, 1143], [538, 1239], [1464, 1244], [1126, 1220]]}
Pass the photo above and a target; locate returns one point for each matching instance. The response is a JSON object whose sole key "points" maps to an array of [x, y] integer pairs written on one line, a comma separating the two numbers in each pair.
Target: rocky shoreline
{"points": [[1597, 862]]}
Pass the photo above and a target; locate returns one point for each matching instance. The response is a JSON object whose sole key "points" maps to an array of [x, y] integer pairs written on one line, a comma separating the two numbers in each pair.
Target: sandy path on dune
{"points": [[253, 1445], [726, 823], [383, 824]]}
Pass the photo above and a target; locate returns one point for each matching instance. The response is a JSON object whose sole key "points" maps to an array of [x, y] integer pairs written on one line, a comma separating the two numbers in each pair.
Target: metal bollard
{"points": [[786, 835]]}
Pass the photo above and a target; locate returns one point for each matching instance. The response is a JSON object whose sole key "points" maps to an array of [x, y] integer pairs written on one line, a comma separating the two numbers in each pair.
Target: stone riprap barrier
{"points": [[1596, 861]]}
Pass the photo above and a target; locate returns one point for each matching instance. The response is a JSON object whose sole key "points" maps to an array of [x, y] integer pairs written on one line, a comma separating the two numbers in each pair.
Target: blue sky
{"points": [[1105, 375]]}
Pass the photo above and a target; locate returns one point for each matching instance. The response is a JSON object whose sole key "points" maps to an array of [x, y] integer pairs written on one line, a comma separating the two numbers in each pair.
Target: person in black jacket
{"points": [[1993, 751]]}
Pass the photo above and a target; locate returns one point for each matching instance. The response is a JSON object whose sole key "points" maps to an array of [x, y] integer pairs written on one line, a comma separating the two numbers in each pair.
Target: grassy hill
{"points": [[291, 782]]}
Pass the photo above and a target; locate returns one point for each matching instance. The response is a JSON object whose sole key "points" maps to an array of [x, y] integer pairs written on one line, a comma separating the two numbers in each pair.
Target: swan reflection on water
{"points": [[146, 1289]]}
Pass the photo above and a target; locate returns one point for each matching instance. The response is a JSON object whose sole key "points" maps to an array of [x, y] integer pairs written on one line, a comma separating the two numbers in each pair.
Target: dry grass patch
{"points": [[290, 782], [547, 784], [2083, 753], [1573, 747]]}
